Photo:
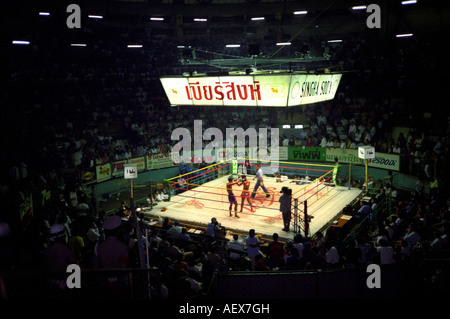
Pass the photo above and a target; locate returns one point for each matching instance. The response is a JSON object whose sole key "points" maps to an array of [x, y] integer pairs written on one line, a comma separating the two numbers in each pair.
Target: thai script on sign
{"points": [[224, 90], [272, 90]]}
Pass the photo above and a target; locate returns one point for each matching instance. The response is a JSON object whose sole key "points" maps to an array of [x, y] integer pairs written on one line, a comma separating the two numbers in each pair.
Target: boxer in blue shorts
{"points": [[231, 197]]}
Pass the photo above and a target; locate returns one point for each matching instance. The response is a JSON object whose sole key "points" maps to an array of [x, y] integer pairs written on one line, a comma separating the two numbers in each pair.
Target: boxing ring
{"points": [[199, 195]]}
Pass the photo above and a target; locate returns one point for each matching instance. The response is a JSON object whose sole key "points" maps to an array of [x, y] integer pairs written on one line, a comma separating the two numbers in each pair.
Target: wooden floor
{"points": [[210, 200]]}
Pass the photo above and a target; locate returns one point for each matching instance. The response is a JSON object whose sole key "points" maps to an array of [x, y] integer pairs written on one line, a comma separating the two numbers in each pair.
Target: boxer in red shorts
{"points": [[245, 192]]}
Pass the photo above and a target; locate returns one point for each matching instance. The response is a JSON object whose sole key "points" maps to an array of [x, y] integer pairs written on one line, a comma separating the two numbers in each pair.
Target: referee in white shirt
{"points": [[259, 181]]}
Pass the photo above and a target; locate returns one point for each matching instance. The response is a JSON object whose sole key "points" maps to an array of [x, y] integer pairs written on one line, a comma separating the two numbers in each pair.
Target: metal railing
{"points": [[429, 276]]}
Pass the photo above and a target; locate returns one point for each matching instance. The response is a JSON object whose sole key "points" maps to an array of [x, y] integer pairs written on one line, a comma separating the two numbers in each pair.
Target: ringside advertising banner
{"points": [[350, 156], [273, 90], [307, 153]]}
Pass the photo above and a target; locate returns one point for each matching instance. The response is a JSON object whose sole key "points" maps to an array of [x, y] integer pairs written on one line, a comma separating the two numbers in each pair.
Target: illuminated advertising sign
{"points": [[251, 90], [311, 88]]}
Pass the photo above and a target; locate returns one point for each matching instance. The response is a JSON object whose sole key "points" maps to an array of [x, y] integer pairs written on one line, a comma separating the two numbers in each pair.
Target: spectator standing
{"points": [[93, 233], [285, 207], [275, 253], [253, 243], [56, 257], [112, 253]]}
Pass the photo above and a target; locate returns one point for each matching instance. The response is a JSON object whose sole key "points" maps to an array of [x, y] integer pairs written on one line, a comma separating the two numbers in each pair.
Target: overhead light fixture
{"points": [[233, 45], [156, 19], [91, 16], [180, 46], [20, 42], [284, 43], [286, 126], [404, 3], [359, 7], [258, 18], [300, 12], [200, 19], [404, 35], [334, 41], [134, 46], [44, 14], [78, 44], [298, 126]]}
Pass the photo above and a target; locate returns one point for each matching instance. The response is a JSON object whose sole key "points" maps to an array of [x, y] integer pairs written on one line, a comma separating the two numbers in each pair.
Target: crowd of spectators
{"points": [[71, 110], [114, 108], [409, 229], [415, 227]]}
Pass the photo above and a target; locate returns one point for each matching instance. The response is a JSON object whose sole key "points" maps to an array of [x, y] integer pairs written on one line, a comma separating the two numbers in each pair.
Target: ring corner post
{"points": [[307, 220], [296, 230], [335, 173], [167, 184]]}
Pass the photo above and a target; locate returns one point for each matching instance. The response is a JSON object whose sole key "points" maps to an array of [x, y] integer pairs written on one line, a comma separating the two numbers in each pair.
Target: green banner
{"points": [[300, 153]]}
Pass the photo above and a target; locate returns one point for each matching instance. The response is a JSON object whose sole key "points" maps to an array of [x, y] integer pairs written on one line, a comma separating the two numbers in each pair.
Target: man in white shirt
{"points": [[259, 182], [77, 156], [321, 120], [412, 237], [175, 230], [236, 245], [352, 128], [161, 196], [332, 256], [252, 243], [212, 228], [323, 142], [386, 253]]}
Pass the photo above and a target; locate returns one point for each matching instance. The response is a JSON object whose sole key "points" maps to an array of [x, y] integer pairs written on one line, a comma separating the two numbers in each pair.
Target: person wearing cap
{"points": [[285, 207], [111, 253], [57, 256]]}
